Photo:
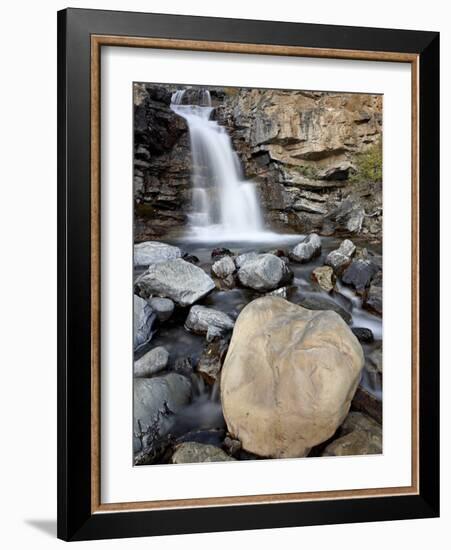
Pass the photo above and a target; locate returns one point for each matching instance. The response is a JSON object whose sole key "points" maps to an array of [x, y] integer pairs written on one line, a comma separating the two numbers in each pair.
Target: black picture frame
{"points": [[76, 521]]}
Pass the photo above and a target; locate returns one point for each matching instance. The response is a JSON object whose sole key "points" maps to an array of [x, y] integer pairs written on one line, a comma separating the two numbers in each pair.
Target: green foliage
{"points": [[307, 170], [368, 165]]}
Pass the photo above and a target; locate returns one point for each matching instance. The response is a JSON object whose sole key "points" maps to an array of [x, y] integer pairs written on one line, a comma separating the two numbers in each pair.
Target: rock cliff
{"points": [[314, 156]]}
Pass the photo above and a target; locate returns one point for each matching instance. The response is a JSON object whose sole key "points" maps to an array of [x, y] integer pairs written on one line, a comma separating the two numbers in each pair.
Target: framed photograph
{"points": [[248, 274]]}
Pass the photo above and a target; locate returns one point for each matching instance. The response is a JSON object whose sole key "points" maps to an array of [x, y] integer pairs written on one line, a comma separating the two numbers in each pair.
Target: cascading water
{"points": [[224, 205]]}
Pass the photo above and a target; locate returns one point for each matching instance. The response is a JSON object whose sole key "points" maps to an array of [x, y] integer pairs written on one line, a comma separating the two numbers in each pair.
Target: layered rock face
{"points": [[288, 378], [301, 149]]}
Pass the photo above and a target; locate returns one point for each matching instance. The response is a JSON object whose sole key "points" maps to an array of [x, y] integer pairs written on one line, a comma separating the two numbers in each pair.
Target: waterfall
{"points": [[224, 205]]}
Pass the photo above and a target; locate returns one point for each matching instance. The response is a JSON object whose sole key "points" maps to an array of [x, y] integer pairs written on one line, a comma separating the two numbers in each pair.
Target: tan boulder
{"points": [[288, 377]]}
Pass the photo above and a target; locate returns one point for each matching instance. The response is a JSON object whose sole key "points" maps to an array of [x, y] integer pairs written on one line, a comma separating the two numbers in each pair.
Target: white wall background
{"points": [[28, 271]]}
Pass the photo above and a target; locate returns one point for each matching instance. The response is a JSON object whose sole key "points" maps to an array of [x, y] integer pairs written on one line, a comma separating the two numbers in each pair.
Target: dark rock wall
{"points": [[300, 148]]}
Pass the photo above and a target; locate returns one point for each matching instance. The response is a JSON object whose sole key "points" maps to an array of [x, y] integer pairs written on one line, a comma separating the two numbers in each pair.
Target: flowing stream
{"points": [[224, 205]]}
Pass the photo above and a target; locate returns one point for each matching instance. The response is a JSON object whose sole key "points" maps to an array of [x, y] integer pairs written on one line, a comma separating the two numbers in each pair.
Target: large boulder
{"points": [[307, 249], [181, 281], [152, 252], [264, 272], [151, 362], [143, 320], [340, 258], [153, 396], [288, 378], [191, 451], [209, 321]]}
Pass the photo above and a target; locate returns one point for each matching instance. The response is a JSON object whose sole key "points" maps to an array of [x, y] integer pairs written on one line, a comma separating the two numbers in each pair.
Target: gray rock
{"points": [[373, 298], [263, 273], [151, 394], [375, 360], [359, 274], [339, 259], [363, 334], [152, 252], [246, 257], [143, 320], [151, 362], [163, 308], [191, 452], [182, 282], [318, 303], [205, 320], [224, 267], [309, 248]]}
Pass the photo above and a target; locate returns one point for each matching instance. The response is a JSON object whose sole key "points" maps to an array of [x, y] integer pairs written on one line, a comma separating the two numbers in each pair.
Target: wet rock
{"points": [[325, 277], [375, 360], [163, 308], [309, 248], [143, 320], [359, 435], [339, 259], [151, 395], [223, 267], [191, 258], [320, 303], [152, 252], [183, 366], [151, 362], [355, 443], [359, 274], [191, 452], [212, 359], [288, 371], [364, 402], [243, 258], [232, 446], [182, 282], [220, 252], [364, 335], [373, 298], [281, 292], [209, 321], [265, 272]]}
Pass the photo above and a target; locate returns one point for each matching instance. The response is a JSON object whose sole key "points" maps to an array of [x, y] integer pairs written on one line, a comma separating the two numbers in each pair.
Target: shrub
{"points": [[368, 165]]}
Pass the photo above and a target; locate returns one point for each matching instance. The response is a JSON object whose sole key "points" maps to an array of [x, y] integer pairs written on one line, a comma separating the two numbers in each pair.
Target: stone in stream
{"points": [[183, 366], [143, 320], [152, 252], [243, 258], [150, 396], [307, 249], [209, 321], [163, 308], [282, 292], [191, 452], [373, 297], [224, 267], [211, 360], [364, 335], [359, 274], [220, 252], [317, 302], [182, 282], [339, 259], [374, 361], [359, 435], [288, 371], [263, 273], [191, 258], [151, 362], [325, 277]]}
